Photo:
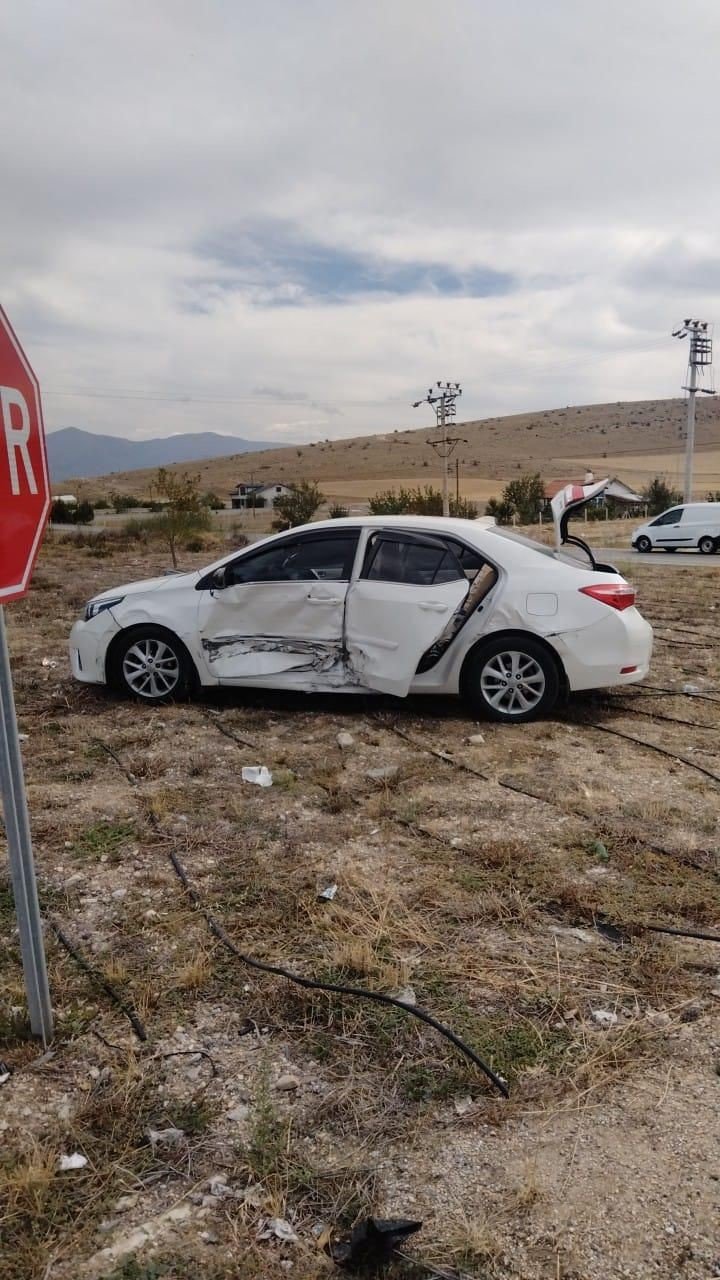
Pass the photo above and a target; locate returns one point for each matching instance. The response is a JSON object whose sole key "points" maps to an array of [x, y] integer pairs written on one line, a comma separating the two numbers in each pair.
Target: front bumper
{"points": [[88, 646]]}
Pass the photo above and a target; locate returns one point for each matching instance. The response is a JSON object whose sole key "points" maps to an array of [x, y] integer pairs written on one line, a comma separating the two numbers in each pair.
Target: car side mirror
{"points": [[219, 578]]}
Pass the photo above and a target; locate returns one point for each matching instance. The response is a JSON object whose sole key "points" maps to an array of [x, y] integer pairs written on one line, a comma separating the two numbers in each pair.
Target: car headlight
{"points": [[94, 607]]}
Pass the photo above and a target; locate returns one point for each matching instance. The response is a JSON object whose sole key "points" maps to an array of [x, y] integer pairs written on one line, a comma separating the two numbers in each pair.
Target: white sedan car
{"points": [[402, 604]]}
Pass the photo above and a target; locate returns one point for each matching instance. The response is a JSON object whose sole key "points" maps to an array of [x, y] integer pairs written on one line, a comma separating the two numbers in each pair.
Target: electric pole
{"points": [[700, 357], [442, 397]]}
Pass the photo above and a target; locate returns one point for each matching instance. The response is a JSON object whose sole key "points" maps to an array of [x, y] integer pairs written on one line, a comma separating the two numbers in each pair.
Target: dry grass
{"points": [[449, 882]]}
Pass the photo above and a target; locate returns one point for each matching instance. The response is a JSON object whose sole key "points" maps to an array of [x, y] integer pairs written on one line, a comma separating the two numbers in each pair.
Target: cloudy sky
{"points": [[284, 220]]}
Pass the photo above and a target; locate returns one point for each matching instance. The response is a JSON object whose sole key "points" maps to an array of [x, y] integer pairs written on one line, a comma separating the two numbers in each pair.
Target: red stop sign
{"points": [[24, 484]]}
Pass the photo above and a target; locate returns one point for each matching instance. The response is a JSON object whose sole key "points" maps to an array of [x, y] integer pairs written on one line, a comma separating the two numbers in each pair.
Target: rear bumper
{"points": [[615, 651]]}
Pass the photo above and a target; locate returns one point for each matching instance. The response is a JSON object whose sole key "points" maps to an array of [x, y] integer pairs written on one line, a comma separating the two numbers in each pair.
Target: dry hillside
{"points": [[632, 439]]}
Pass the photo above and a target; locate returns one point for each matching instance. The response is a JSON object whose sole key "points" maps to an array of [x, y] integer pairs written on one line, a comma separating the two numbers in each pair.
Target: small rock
{"points": [[209, 1237], [604, 1017], [119, 894], [218, 1186], [238, 1114], [345, 741], [279, 1228], [405, 995], [125, 1202], [690, 689], [74, 880], [74, 1161], [287, 1083], [476, 740], [383, 774], [463, 1105], [658, 1017], [168, 1138]]}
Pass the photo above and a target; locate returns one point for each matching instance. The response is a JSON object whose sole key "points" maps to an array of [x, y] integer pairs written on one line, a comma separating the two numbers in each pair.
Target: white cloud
{"points": [[567, 145]]}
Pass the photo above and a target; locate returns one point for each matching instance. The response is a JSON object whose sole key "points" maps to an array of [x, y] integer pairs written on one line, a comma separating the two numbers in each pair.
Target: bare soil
{"points": [[509, 882]]}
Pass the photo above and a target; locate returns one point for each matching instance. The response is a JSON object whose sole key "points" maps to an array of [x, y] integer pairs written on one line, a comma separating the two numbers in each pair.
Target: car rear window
{"points": [[524, 542]]}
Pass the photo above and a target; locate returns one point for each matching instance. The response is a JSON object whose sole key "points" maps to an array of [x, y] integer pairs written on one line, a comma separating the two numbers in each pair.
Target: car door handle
{"points": [[324, 600], [433, 606]]}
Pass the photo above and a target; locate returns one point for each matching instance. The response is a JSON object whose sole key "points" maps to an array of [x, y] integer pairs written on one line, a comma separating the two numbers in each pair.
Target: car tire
{"points": [[491, 670], [707, 546], [643, 545], [151, 665]]}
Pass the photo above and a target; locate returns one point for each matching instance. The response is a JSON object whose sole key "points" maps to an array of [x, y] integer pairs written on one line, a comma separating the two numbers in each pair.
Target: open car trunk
{"points": [[570, 501]]}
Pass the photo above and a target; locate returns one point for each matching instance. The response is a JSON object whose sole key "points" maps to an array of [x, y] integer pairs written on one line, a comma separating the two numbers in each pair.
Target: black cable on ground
{"points": [[651, 746], [99, 981], [680, 933], [569, 811], [313, 984]]}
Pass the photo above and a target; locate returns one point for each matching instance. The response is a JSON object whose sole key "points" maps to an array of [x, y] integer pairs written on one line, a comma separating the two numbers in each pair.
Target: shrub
{"points": [[338, 512], [501, 510], [421, 501], [61, 512], [659, 496], [298, 506]]}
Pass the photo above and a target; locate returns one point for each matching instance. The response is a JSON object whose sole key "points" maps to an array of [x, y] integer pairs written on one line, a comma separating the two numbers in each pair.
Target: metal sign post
{"points": [[24, 507], [22, 869]]}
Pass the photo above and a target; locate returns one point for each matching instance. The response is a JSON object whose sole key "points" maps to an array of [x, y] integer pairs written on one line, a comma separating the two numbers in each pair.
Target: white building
{"points": [[256, 495]]}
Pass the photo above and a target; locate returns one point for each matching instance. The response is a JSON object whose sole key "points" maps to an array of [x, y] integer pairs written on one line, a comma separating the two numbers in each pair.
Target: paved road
{"points": [[677, 559]]}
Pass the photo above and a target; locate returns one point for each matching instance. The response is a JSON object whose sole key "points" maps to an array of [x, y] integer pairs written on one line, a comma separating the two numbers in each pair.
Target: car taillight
{"points": [[617, 595]]}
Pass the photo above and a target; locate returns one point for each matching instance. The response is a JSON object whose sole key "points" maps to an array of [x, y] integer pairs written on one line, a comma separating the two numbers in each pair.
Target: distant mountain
{"points": [[76, 453]]}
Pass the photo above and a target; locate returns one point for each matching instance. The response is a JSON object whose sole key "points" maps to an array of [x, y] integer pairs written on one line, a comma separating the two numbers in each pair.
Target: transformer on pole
{"points": [[699, 358], [442, 397]]}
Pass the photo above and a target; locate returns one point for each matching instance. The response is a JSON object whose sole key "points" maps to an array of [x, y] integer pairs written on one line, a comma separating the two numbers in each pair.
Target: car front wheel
{"points": [[707, 546], [512, 680], [643, 544], [152, 665]]}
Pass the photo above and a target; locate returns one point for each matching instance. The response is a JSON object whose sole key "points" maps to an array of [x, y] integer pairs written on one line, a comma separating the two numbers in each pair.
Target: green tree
{"points": [[659, 496], [500, 509], [61, 512], [183, 515], [84, 513], [526, 496], [212, 501], [298, 506]]}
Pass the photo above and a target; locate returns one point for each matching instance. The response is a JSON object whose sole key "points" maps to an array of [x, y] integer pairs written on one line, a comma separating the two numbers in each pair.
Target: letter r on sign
{"points": [[16, 437]]}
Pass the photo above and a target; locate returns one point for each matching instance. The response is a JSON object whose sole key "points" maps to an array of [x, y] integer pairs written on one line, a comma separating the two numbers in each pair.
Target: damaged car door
{"points": [[409, 587], [274, 615]]}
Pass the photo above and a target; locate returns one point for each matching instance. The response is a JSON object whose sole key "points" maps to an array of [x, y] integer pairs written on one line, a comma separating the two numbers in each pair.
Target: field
{"points": [[633, 440], [505, 882]]}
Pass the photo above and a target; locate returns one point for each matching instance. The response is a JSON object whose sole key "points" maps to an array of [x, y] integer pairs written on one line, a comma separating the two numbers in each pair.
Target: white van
{"points": [[694, 525]]}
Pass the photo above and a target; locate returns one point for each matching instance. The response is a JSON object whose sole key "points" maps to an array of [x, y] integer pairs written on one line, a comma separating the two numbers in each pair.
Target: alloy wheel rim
{"points": [[151, 668], [512, 682]]}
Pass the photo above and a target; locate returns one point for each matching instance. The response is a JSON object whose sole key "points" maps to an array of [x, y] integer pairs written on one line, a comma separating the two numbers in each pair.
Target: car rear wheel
{"points": [[511, 680], [644, 544], [152, 665], [707, 546]]}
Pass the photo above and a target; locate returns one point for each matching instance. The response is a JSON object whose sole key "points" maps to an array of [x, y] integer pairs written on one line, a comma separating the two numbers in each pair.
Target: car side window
{"points": [[415, 561], [305, 559], [669, 517]]}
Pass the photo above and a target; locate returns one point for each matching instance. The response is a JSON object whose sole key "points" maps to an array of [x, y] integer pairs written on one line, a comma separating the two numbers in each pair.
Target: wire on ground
{"points": [[313, 984]]}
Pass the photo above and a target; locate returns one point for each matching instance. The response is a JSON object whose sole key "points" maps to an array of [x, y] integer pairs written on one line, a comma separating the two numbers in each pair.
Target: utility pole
{"points": [[700, 357], [442, 397]]}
